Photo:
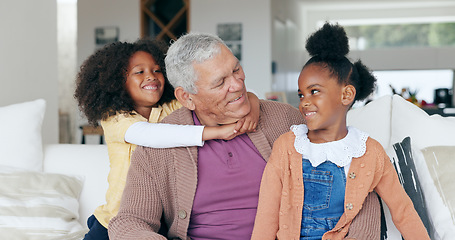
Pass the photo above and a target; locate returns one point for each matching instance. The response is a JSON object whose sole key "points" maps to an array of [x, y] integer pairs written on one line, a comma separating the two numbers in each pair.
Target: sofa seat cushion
{"points": [[37, 205]]}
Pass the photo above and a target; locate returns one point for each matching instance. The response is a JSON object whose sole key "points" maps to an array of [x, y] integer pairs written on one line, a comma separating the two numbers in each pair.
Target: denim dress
{"points": [[323, 205], [324, 182]]}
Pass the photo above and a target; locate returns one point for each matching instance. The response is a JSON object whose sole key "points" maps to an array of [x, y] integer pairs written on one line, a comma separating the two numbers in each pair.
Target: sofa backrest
{"points": [[375, 119]]}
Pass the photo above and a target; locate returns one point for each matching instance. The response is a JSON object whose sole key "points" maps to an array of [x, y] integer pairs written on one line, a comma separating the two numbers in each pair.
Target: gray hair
{"points": [[187, 50]]}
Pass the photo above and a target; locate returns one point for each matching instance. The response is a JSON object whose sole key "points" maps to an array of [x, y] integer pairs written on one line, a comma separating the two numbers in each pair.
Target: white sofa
{"points": [[388, 119]]}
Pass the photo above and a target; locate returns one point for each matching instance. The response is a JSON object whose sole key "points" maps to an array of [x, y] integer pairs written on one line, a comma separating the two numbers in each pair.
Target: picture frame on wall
{"points": [[231, 34], [105, 35]]}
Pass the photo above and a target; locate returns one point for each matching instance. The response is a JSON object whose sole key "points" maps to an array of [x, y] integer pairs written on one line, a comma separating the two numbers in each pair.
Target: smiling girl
{"points": [[320, 173], [124, 86]]}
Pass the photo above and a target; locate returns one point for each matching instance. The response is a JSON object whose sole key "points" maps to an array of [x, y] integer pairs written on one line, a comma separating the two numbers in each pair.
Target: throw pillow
{"points": [[20, 141], [403, 161], [440, 161], [36, 205]]}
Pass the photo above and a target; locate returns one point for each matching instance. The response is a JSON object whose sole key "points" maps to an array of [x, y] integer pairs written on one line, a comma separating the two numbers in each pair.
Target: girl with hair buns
{"points": [[320, 172]]}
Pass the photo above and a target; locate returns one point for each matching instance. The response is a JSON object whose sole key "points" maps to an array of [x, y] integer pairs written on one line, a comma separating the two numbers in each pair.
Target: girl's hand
{"points": [[225, 132], [251, 120], [230, 131]]}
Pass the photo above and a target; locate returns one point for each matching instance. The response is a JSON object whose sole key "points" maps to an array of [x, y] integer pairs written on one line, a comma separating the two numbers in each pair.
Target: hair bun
{"points": [[329, 42]]}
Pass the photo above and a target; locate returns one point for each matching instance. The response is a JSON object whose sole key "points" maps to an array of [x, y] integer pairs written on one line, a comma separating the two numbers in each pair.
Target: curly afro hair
{"points": [[328, 48], [100, 84]]}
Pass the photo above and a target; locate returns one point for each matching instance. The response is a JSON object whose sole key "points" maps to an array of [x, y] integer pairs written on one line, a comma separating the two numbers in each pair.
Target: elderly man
{"points": [[208, 192]]}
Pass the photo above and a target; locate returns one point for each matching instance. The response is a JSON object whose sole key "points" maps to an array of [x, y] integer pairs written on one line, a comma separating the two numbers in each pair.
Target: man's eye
{"points": [[221, 83], [236, 70]]}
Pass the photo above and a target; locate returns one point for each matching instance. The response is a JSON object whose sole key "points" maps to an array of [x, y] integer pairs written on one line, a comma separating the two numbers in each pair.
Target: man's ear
{"points": [[184, 98], [348, 95]]}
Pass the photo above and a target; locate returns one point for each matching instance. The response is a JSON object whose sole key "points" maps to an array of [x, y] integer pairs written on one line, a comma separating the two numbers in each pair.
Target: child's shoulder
{"points": [[286, 139], [124, 117], [373, 143], [172, 105]]}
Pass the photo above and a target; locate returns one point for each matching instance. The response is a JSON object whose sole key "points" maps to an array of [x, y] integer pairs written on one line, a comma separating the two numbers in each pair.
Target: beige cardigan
{"points": [[161, 183], [281, 195]]}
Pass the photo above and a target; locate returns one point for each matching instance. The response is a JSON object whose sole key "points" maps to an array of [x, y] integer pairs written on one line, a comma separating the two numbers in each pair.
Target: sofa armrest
{"points": [[91, 162]]}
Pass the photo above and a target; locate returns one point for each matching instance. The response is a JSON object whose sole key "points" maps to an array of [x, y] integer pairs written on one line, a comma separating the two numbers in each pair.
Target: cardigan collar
{"points": [[339, 152]]}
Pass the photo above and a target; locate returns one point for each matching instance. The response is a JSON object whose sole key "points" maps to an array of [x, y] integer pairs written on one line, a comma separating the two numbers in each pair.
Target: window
{"points": [[421, 82], [438, 34]]}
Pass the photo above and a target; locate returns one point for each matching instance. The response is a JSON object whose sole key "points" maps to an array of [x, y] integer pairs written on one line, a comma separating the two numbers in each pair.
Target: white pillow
{"points": [[374, 118], [424, 130], [37, 205], [20, 131]]}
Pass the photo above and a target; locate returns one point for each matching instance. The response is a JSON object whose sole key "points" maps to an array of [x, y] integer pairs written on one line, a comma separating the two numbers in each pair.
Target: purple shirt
{"points": [[229, 177]]}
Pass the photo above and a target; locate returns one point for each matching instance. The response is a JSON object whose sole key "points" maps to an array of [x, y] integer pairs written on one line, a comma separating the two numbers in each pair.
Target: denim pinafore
{"points": [[323, 181], [323, 205]]}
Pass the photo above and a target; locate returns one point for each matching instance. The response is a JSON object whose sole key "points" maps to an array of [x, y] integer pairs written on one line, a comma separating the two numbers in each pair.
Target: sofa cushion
{"points": [[373, 118], [20, 141], [439, 188], [37, 205]]}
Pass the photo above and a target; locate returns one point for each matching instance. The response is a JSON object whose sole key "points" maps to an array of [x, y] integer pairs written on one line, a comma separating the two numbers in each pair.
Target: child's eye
{"points": [[300, 95], [158, 70], [314, 91], [236, 70], [139, 72]]}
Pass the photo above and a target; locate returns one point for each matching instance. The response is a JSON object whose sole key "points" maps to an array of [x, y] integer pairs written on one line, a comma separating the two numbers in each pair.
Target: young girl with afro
{"points": [[124, 86], [319, 173]]}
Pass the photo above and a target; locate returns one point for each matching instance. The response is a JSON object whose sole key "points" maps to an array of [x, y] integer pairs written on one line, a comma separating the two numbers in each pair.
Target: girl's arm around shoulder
{"points": [[162, 135]]}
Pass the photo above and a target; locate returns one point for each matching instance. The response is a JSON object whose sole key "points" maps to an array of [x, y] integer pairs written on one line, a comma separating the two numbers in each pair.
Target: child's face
{"points": [[144, 81], [320, 99]]}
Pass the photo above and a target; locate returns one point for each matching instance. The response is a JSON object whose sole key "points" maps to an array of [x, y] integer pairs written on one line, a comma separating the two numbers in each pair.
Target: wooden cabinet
{"points": [[164, 19]]}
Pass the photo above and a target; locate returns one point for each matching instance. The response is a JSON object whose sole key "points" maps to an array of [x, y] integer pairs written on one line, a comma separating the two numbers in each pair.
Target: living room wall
{"points": [[255, 17], [28, 58], [92, 14]]}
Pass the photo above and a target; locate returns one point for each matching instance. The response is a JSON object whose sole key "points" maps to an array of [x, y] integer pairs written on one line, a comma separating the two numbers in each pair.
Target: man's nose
{"points": [[236, 84]]}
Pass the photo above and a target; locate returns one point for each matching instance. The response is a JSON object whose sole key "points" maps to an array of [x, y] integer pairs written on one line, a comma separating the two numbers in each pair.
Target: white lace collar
{"points": [[338, 152]]}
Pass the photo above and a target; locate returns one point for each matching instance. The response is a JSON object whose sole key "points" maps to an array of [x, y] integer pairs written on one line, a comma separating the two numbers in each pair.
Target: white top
{"points": [[338, 152], [162, 135]]}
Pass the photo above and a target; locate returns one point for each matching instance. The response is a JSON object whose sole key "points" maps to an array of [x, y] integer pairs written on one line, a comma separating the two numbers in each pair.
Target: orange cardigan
{"points": [[280, 205]]}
